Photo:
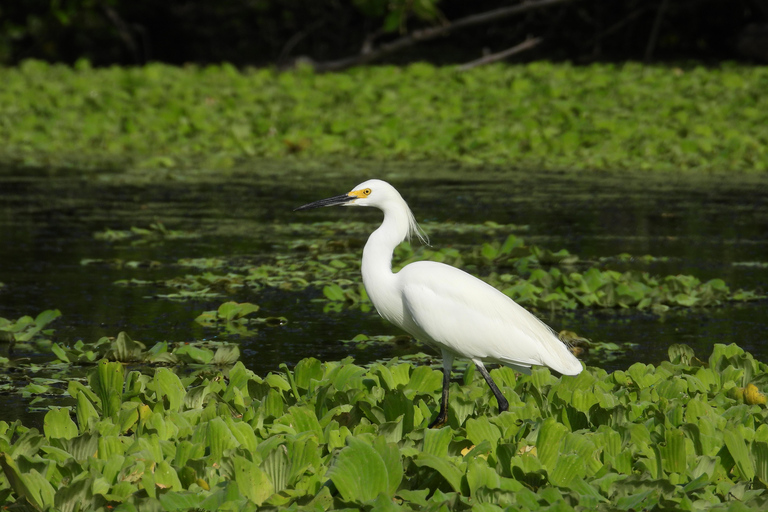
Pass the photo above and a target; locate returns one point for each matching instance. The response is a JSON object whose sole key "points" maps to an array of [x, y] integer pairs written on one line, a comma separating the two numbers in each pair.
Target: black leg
{"points": [[503, 404], [442, 416]]}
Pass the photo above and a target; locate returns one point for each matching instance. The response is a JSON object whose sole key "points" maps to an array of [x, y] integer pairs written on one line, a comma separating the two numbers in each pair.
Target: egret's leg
{"points": [[442, 416], [503, 404]]}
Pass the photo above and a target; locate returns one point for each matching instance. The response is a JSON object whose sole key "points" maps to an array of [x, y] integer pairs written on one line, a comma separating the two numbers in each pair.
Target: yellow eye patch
{"points": [[360, 193]]}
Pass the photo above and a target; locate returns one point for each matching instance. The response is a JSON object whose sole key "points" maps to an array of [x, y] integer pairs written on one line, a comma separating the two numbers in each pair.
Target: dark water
{"points": [[705, 224]]}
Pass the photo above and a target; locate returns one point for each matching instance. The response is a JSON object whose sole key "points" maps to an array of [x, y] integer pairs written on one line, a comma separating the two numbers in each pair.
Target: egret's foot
{"points": [[440, 421]]}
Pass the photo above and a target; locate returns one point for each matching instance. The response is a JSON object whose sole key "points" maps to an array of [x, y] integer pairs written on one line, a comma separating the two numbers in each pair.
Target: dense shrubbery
{"points": [[273, 31], [539, 115]]}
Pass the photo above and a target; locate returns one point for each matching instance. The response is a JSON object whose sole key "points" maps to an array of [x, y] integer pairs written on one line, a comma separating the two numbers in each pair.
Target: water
{"points": [[705, 224]]}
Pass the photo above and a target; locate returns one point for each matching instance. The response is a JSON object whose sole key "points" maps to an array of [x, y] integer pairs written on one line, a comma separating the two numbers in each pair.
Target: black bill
{"points": [[331, 201]]}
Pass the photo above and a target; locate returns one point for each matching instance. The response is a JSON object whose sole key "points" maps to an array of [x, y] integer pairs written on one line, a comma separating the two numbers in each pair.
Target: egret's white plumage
{"points": [[445, 307]]}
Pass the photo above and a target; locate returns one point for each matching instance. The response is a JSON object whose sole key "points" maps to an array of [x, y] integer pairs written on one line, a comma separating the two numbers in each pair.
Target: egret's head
{"points": [[369, 193], [379, 194]]}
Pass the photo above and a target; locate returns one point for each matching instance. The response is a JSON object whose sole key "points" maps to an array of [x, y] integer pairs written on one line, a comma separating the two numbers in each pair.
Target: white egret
{"points": [[445, 307]]}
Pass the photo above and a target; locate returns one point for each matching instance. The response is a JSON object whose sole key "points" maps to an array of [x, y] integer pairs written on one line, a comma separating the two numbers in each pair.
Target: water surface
{"points": [[709, 227]]}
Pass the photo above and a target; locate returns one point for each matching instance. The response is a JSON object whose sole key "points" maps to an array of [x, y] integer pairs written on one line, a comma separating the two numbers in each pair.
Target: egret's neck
{"points": [[377, 254]]}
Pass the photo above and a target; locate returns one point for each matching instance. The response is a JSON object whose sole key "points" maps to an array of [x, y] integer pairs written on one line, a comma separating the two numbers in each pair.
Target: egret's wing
{"points": [[472, 319]]}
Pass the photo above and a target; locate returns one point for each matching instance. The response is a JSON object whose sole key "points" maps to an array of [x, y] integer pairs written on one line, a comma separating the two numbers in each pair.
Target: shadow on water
{"points": [[706, 225]]}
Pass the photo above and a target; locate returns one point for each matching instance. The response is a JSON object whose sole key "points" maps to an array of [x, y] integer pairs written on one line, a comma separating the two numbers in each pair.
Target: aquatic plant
{"points": [[539, 116], [234, 318], [531, 275], [124, 349], [156, 232], [27, 331], [685, 435]]}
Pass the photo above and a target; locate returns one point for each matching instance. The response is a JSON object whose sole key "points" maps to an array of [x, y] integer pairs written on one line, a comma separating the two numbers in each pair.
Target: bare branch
{"points": [[655, 30], [296, 39], [434, 32], [495, 57], [618, 25], [122, 29]]}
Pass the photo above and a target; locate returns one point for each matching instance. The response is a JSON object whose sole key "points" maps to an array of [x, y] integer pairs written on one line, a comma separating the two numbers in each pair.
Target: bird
{"points": [[453, 311]]}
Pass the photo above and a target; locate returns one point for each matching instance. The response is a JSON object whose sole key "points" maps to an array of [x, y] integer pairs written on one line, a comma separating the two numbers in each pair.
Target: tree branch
{"points": [[296, 39], [123, 30], [651, 46], [494, 57], [434, 32]]}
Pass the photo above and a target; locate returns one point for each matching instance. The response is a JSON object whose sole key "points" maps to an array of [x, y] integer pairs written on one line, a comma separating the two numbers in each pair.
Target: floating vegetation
{"points": [[203, 262], [230, 318], [352, 295], [530, 116], [630, 258], [157, 232], [686, 434], [123, 349], [555, 289], [363, 341], [44, 385], [752, 264], [26, 332], [539, 278], [119, 263]]}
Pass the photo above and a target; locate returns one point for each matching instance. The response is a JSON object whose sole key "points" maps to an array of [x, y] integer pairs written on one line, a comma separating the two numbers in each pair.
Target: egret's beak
{"points": [[331, 201]]}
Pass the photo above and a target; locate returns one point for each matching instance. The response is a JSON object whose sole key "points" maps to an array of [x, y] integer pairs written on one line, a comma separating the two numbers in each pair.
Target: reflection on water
{"points": [[47, 222]]}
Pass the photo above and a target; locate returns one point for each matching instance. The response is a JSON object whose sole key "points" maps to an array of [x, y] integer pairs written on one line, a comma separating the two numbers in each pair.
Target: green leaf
{"points": [[252, 481], [480, 429], [59, 425], [359, 473], [673, 454], [304, 419], [567, 468], [226, 356], [168, 386], [126, 350], [307, 370], [448, 470], [489, 252], [548, 441], [334, 292], [22, 486], [218, 439], [40, 488], [278, 468], [760, 456], [166, 477], [436, 441], [738, 450], [424, 380], [176, 501], [47, 317], [479, 475], [229, 311], [108, 381], [390, 454]]}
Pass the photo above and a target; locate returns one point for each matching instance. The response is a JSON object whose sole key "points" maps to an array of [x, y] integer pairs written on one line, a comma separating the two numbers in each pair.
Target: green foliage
{"points": [[539, 277], [157, 232], [27, 331], [334, 435], [539, 115], [231, 318], [123, 349], [44, 385]]}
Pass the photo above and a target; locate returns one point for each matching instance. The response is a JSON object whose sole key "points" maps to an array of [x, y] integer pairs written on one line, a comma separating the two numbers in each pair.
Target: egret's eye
{"points": [[367, 192]]}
